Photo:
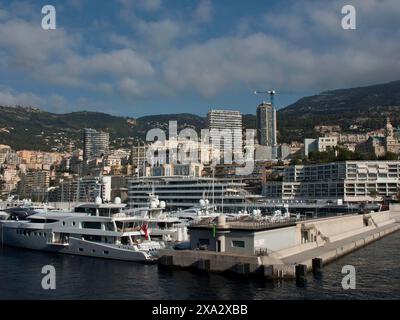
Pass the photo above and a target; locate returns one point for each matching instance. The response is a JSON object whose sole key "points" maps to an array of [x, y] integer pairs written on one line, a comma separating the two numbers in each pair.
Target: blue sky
{"points": [[144, 57]]}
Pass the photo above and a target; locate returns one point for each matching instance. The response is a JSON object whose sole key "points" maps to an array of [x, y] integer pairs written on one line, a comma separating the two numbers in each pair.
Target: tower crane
{"points": [[271, 94]]}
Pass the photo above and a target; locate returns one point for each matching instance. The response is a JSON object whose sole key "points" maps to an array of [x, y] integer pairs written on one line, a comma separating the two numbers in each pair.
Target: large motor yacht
{"points": [[96, 232]]}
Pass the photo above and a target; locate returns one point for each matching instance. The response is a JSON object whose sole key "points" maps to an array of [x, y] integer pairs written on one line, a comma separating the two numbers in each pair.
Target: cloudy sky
{"points": [[140, 57]]}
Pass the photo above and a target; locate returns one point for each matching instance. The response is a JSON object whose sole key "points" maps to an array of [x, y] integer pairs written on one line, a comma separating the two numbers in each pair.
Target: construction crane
{"points": [[271, 94]]}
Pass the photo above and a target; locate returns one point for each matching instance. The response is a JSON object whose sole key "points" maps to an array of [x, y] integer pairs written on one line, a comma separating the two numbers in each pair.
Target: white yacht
{"points": [[4, 215], [161, 225], [94, 233], [196, 213]]}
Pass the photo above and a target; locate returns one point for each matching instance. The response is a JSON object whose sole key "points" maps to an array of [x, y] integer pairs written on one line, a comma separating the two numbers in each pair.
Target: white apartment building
{"points": [[320, 144], [219, 122], [350, 181], [84, 189]]}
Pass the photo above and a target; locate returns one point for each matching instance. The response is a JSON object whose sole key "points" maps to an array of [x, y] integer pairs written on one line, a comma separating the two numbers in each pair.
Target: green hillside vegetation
{"points": [[366, 107]]}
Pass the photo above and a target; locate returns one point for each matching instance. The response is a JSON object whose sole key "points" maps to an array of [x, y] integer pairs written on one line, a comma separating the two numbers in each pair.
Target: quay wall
{"points": [[336, 225], [213, 261], [341, 235]]}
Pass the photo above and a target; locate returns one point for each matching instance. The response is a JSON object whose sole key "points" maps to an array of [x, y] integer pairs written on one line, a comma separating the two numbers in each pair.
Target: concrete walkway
{"points": [[305, 257]]}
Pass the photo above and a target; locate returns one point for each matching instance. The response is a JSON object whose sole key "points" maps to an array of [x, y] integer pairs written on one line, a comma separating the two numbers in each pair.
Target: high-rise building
{"points": [[266, 124], [95, 143], [226, 130]]}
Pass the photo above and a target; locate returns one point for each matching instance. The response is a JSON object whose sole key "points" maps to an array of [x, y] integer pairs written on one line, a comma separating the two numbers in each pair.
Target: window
{"points": [[80, 249], [109, 226], [105, 252], [73, 223], [238, 243], [91, 225], [94, 238], [203, 242], [63, 223]]}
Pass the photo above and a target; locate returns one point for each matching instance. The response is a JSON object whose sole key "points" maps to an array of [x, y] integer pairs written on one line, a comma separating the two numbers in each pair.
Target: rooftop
{"points": [[245, 225]]}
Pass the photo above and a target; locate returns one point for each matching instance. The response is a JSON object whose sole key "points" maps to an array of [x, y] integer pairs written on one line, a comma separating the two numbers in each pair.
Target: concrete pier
{"points": [[331, 238]]}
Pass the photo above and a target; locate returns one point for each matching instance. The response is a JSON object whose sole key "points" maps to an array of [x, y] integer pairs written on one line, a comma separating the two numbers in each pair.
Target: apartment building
{"points": [[350, 181]]}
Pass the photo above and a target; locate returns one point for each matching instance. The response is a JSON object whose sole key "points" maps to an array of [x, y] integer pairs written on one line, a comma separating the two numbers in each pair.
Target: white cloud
{"points": [[130, 87], [117, 62], [294, 45], [161, 33], [204, 11], [11, 98]]}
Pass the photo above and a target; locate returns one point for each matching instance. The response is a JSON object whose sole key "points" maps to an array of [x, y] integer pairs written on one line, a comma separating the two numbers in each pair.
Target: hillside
{"points": [[367, 107], [31, 128]]}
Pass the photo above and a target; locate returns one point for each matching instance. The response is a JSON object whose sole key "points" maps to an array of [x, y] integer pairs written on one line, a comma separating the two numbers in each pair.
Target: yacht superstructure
{"points": [[161, 225], [82, 233]]}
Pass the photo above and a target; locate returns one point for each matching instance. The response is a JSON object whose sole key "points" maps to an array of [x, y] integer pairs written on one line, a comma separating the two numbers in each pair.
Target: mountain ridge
{"points": [[367, 107]]}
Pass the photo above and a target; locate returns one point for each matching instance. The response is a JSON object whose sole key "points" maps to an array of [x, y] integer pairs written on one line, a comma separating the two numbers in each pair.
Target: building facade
{"points": [[266, 124], [82, 190], [225, 132], [349, 181], [34, 184], [95, 143], [320, 144]]}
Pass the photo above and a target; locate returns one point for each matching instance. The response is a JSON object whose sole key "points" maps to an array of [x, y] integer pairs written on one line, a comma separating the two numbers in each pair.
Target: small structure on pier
{"points": [[251, 237]]}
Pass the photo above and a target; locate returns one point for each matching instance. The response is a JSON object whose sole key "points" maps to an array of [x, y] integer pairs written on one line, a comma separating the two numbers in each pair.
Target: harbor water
{"points": [[377, 277]]}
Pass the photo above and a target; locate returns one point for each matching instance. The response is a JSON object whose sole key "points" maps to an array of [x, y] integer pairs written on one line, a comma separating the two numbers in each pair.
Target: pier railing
{"points": [[251, 224]]}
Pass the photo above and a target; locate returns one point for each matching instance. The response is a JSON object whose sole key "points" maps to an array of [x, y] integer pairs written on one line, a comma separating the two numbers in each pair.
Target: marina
{"points": [[282, 250], [281, 245], [378, 278]]}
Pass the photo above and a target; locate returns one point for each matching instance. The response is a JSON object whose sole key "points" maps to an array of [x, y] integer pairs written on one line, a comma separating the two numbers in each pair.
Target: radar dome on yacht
{"points": [[153, 204], [98, 200], [162, 204], [207, 202], [104, 180], [117, 200], [202, 202]]}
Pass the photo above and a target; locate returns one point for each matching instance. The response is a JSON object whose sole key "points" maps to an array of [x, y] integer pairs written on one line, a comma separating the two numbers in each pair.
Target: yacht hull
{"points": [[37, 240]]}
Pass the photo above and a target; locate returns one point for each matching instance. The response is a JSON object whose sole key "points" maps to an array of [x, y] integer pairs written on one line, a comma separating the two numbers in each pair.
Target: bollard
{"points": [[301, 271], [317, 265]]}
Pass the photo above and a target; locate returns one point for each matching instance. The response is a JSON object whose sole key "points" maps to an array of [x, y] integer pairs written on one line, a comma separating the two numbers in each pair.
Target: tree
{"points": [[389, 156], [374, 194]]}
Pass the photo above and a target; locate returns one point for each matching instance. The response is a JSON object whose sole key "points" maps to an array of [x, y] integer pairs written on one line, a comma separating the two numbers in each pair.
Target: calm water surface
{"points": [[377, 267]]}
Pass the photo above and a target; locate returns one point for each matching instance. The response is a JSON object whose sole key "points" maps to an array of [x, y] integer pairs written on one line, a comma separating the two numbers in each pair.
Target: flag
{"points": [[144, 229], [214, 230]]}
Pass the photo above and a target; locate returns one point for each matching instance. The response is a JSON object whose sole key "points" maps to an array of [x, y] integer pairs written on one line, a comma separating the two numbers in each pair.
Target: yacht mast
{"points": [[213, 187]]}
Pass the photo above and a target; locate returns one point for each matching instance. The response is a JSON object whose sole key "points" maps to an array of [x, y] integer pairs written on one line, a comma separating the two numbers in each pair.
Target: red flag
{"points": [[144, 229]]}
